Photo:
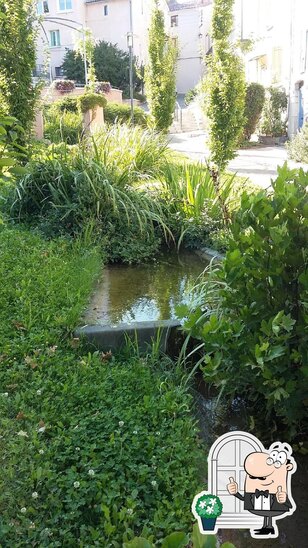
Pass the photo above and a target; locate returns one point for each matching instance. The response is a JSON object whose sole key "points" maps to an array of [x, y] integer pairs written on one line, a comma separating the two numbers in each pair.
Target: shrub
{"points": [[252, 317], [89, 101], [160, 72], [116, 112], [68, 104], [62, 126], [11, 153], [254, 102], [224, 89], [18, 32], [65, 86], [190, 95], [298, 147], [97, 182], [273, 122]]}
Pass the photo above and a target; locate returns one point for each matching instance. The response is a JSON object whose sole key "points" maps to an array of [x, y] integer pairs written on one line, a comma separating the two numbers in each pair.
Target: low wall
{"points": [[107, 337], [50, 95]]}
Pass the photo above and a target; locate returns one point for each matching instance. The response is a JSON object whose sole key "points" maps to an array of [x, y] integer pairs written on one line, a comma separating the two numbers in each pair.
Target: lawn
{"points": [[94, 450]]}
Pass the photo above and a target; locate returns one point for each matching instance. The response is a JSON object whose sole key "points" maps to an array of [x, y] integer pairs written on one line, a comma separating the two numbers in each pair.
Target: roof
{"points": [[177, 5]]}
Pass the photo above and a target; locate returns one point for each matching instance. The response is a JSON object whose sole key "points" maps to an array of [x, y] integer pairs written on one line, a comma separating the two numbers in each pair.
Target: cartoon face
{"points": [[267, 471]]}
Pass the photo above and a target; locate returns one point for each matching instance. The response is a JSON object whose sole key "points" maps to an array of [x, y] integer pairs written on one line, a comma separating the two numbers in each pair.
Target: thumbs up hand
{"points": [[232, 486], [281, 496]]}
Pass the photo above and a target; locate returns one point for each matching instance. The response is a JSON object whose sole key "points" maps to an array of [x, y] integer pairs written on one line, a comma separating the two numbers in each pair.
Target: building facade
{"points": [[279, 30], [63, 21], [189, 24]]}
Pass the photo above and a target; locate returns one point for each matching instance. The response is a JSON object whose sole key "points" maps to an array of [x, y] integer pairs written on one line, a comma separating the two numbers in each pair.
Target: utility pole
{"points": [[130, 43]]}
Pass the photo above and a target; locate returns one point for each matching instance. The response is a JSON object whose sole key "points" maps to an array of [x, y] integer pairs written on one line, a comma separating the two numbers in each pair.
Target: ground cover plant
{"points": [[94, 450], [251, 312], [298, 146]]}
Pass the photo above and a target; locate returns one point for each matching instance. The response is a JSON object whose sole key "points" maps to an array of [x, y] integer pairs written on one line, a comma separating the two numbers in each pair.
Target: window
{"points": [[59, 72], [54, 38], [42, 7], [105, 10], [65, 5], [174, 20]]}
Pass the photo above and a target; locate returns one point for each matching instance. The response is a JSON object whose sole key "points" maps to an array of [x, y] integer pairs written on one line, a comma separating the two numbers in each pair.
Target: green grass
{"points": [[65, 412]]}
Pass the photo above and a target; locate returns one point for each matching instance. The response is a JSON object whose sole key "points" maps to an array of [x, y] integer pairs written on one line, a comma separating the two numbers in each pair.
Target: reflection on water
{"points": [[145, 292]]}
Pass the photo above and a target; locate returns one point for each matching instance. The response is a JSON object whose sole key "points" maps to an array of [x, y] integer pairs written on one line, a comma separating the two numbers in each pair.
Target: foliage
{"points": [[68, 104], [62, 124], [73, 66], [17, 48], [116, 112], [79, 459], [179, 540], [110, 64], [224, 89], [160, 73], [209, 506], [254, 102], [190, 95], [65, 86], [273, 122], [90, 101], [10, 151], [103, 87], [97, 182], [85, 45], [298, 147], [195, 204], [251, 313]]}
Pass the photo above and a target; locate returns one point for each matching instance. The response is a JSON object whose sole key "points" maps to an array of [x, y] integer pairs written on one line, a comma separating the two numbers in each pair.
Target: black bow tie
{"points": [[259, 493]]}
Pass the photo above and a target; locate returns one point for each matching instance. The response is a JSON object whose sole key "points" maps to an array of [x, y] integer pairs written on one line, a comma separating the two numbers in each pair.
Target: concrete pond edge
{"points": [[164, 334]]}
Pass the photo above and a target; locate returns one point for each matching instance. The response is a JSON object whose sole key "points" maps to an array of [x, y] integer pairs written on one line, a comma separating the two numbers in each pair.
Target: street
{"points": [[257, 163]]}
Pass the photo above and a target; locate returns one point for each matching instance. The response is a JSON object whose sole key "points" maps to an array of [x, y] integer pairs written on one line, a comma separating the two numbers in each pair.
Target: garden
{"points": [[104, 448]]}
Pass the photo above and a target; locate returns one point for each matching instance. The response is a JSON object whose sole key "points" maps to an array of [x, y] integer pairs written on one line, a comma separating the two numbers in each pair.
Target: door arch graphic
{"points": [[226, 459]]}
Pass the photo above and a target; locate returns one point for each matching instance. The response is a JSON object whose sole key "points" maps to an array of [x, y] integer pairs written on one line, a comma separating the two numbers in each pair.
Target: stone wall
{"points": [[49, 95]]}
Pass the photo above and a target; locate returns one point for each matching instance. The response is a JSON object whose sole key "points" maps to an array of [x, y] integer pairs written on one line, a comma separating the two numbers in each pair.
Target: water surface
{"points": [[147, 292]]}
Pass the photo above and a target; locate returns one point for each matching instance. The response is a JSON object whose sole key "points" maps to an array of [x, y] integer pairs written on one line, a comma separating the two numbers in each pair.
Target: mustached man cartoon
{"points": [[267, 489], [265, 480]]}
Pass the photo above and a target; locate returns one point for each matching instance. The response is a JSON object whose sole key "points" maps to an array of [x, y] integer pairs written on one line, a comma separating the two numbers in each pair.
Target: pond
{"points": [[147, 292]]}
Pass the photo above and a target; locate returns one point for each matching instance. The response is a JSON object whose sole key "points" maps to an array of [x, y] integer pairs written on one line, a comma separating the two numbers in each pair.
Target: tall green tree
{"points": [[17, 54], [224, 89], [110, 63], [160, 72]]}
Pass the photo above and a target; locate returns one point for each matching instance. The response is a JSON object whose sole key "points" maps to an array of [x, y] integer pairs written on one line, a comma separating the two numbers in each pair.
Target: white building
{"points": [[189, 24], [279, 29], [109, 20]]}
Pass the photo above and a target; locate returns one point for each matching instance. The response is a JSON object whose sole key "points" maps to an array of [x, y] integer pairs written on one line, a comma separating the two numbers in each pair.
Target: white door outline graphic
{"points": [[226, 458]]}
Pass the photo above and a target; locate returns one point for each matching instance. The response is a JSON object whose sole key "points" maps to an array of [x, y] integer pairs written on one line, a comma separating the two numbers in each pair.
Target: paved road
{"points": [[259, 164]]}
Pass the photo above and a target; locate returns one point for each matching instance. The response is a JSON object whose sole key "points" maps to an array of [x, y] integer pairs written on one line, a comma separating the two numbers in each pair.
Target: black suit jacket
{"points": [[276, 506]]}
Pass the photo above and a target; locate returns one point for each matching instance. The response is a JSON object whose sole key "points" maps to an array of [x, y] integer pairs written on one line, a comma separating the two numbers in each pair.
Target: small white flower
{"points": [[157, 433], [42, 429], [22, 434], [5, 394], [91, 472], [76, 484], [212, 501], [153, 483], [129, 511], [39, 392], [41, 451], [32, 525], [202, 504], [77, 448], [23, 510], [135, 432], [121, 423], [34, 495], [154, 467], [210, 510]]}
